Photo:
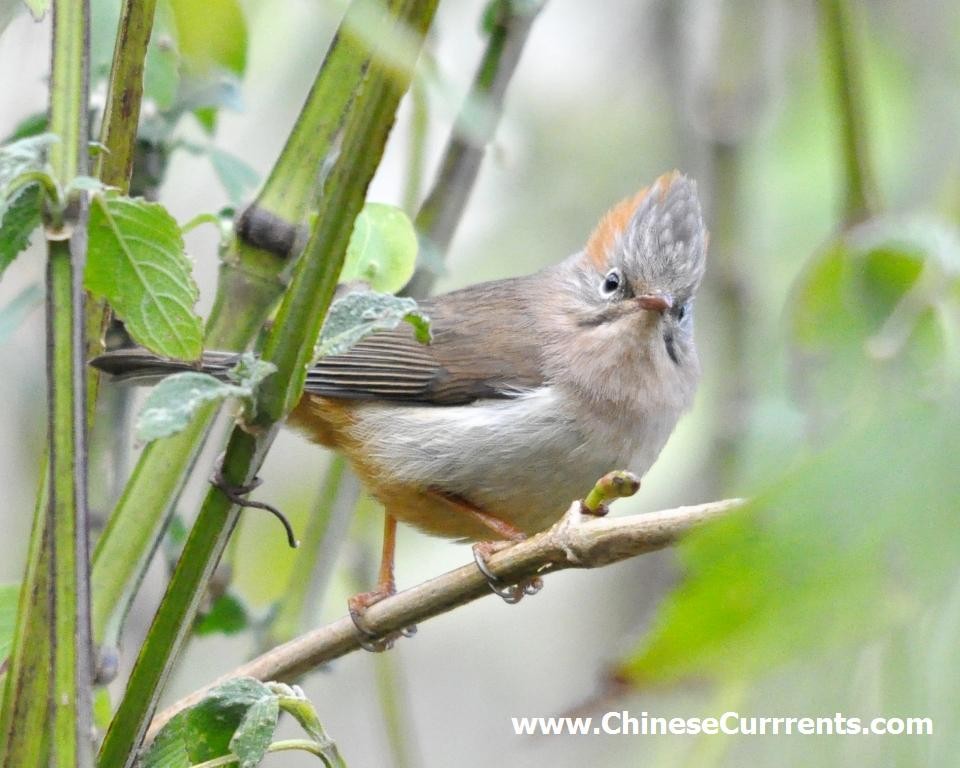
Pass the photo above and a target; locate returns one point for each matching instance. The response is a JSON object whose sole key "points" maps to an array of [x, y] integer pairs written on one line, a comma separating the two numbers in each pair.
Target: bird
{"points": [[531, 389]]}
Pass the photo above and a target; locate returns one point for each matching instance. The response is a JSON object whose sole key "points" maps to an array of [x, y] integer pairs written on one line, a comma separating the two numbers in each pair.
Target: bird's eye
{"points": [[611, 282], [681, 312]]}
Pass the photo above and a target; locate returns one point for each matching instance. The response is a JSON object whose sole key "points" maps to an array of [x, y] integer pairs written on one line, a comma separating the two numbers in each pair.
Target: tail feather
{"points": [[135, 365]]}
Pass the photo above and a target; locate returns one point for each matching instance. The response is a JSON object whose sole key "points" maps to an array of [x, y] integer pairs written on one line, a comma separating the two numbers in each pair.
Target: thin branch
{"points": [[440, 213], [576, 541], [840, 50]]}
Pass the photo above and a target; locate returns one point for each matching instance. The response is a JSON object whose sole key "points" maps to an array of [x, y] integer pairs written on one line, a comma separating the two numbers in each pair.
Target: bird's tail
{"points": [[136, 365]]}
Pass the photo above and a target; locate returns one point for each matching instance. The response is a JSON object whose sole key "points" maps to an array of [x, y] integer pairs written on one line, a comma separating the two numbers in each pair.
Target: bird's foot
{"points": [[370, 640], [510, 593]]}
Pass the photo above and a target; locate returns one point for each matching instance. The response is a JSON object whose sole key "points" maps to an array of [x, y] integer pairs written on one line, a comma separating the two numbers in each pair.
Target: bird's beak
{"points": [[655, 302]]}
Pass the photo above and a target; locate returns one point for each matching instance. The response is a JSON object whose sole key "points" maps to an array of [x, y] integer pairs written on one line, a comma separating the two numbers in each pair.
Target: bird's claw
{"points": [[509, 593], [370, 640]]}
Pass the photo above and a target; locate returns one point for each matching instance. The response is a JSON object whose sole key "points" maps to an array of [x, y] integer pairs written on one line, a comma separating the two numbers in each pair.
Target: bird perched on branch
{"points": [[532, 388]]}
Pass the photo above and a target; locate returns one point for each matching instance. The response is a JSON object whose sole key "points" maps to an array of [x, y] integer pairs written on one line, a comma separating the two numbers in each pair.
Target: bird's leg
{"points": [[386, 586], [509, 534]]}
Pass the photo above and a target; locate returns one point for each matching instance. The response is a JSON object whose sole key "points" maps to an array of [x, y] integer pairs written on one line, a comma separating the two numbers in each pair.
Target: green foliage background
{"points": [[829, 393]]}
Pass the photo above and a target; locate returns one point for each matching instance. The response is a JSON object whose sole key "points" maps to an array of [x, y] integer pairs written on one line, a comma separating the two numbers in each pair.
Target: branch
{"points": [[839, 48], [576, 541]]}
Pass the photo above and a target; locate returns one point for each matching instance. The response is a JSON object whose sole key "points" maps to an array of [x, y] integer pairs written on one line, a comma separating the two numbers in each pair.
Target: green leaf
{"points": [[37, 8], [856, 539], [171, 404], [869, 306], [382, 250], [237, 178], [212, 35], [255, 732], [357, 315], [32, 125], [210, 725], [228, 616], [205, 730], [12, 315], [168, 749], [20, 220], [136, 262], [23, 156], [9, 600]]}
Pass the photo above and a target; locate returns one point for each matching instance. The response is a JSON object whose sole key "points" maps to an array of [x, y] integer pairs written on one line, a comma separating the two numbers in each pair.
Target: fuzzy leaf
{"points": [[357, 315], [255, 732], [17, 224], [204, 731], [21, 203], [174, 401], [210, 725], [136, 262], [382, 250]]}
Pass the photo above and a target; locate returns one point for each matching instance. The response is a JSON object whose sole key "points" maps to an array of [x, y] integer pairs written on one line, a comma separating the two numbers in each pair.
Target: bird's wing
{"points": [[485, 345]]}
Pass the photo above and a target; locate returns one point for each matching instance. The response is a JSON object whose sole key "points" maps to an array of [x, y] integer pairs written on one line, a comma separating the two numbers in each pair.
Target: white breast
{"points": [[523, 459]]}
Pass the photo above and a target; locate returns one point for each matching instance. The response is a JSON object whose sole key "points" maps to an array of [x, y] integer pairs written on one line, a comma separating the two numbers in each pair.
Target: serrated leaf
{"points": [[135, 260], [12, 315], [382, 250], [20, 220], [173, 402], [255, 732], [228, 615], [26, 155], [9, 600], [357, 315]]}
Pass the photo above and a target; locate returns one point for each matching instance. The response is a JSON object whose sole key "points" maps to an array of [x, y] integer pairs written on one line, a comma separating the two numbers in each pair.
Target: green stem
{"points": [[287, 745], [289, 346], [67, 523], [291, 187], [860, 195], [249, 283], [440, 213], [125, 93], [23, 716]]}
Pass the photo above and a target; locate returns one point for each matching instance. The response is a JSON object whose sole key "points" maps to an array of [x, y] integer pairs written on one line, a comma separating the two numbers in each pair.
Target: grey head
{"points": [[632, 289]]}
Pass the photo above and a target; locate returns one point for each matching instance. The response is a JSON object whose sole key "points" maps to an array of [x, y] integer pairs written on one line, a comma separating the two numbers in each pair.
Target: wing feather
{"points": [[485, 345]]}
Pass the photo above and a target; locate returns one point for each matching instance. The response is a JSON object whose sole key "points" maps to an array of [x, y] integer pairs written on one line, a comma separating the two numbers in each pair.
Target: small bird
{"points": [[532, 388]]}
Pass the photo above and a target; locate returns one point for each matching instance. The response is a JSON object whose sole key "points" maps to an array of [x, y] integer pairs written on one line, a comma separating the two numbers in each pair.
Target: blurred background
{"points": [[607, 96]]}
